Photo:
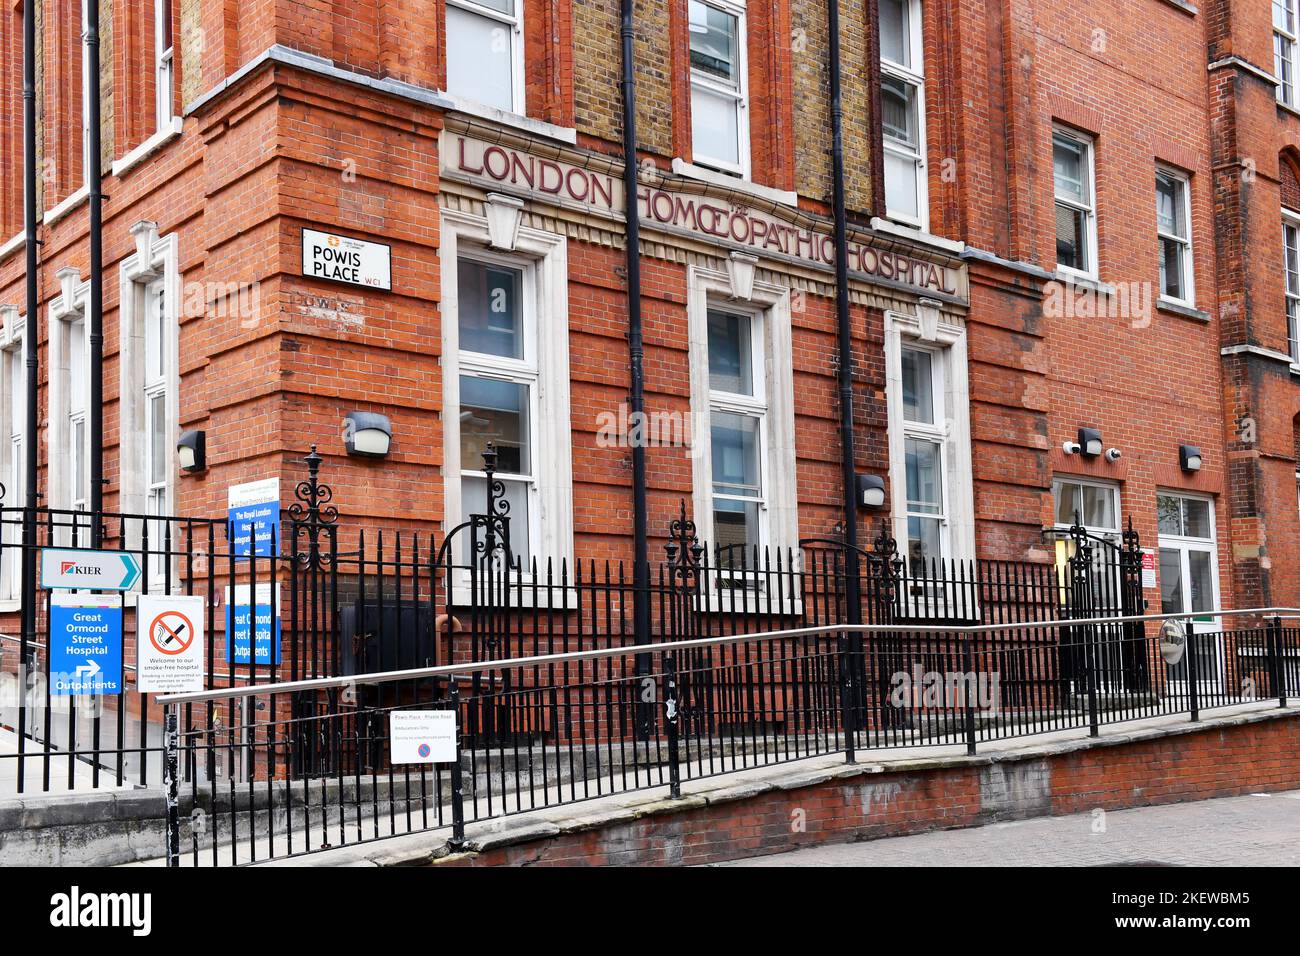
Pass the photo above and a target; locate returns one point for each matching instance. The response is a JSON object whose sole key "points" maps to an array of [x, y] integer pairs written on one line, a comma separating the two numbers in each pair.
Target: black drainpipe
{"points": [[95, 319], [847, 465], [30, 356], [636, 355]]}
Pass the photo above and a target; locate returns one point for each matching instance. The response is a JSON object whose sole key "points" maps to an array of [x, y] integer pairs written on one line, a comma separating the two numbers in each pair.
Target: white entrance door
{"points": [[1189, 577]]}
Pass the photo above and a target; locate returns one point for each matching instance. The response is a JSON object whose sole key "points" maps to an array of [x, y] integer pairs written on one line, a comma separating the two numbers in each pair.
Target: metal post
{"points": [[847, 691], [969, 690], [670, 721], [636, 361], [845, 329], [1090, 662], [457, 840], [1277, 671], [1193, 691], [30, 335], [95, 310], [171, 780]]}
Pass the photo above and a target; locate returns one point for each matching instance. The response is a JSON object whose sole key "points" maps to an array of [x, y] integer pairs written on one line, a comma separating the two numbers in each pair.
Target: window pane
{"points": [[735, 455], [1291, 244], [473, 501], [895, 39], [1069, 170], [497, 412], [1069, 507], [1196, 518], [1169, 518], [490, 315], [1282, 19], [1099, 508], [899, 116], [1071, 238], [158, 439], [901, 187], [1170, 216], [77, 365], [715, 129], [479, 58], [731, 365], [1172, 283], [714, 50], [923, 539], [735, 530], [1200, 584], [79, 461], [924, 480], [1171, 581], [918, 386]]}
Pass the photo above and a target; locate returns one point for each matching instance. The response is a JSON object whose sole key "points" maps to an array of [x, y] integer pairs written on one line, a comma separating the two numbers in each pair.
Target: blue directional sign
{"points": [[265, 633], [85, 644], [93, 570], [254, 517]]}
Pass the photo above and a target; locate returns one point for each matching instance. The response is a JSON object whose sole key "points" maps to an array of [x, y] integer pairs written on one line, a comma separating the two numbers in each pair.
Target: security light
{"points": [[871, 491], [367, 434], [192, 450], [1090, 445], [1189, 456]]}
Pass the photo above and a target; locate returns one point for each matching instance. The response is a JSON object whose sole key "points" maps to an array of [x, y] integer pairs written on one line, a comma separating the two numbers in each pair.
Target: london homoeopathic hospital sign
{"points": [[598, 189]]}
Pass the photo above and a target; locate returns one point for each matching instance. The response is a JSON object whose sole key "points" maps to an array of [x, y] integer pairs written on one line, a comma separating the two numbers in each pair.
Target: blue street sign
{"points": [[254, 517], [85, 644], [97, 570], [266, 644]]}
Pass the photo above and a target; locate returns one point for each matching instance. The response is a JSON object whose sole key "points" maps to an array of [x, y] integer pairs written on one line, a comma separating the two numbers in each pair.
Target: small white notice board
{"points": [[422, 736]]}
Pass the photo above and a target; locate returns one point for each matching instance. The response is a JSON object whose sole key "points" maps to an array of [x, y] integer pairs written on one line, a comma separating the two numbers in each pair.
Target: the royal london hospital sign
{"points": [[497, 165]]}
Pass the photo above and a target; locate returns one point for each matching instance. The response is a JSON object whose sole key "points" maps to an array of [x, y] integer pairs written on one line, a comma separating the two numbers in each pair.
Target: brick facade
{"points": [[297, 115]]}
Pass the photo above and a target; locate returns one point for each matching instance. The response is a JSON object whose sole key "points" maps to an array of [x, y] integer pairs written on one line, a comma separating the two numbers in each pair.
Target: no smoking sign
{"points": [[169, 644]]}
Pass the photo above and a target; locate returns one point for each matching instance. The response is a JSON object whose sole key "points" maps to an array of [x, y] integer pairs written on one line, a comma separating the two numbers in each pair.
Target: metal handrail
{"points": [[450, 670]]}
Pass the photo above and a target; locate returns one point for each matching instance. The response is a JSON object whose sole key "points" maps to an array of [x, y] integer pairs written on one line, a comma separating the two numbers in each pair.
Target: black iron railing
{"points": [[560, 728]]}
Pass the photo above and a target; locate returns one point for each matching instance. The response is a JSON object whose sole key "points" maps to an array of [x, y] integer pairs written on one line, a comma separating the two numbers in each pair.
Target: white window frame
{"points": [[153, 268], [707, 290], [1111, 486], [754, 407], [65, 310], [1089, 157], [945, 339], [13, 425], [1205, 621], [914, 76], [1184, 242], [164, 65], [545, 256], [741, 96], [515, 25], [1284, 51], [1291, 282]]}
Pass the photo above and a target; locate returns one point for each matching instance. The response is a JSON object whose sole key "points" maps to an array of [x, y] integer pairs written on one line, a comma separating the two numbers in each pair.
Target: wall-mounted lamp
{"points": [[1090, 445], [1189, 457], [192, 450], [367, 434], [871, 491]]}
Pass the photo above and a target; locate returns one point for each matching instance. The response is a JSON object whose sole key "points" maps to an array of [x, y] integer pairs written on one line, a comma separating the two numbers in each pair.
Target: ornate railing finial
{"points": [[312, 512]]}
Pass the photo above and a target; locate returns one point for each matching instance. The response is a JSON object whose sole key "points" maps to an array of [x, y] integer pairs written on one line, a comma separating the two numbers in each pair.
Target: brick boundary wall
{"points": [[1226, 761]]}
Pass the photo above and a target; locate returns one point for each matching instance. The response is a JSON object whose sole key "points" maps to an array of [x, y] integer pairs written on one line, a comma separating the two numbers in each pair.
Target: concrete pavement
{"points": [[1255, 830]]}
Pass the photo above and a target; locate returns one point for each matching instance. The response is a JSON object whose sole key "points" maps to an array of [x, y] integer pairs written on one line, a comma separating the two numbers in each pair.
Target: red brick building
{"points": [[1059, 219]]}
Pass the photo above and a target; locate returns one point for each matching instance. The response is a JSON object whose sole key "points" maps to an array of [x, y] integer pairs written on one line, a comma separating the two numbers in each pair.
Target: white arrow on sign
{"points": [[90, 667]]}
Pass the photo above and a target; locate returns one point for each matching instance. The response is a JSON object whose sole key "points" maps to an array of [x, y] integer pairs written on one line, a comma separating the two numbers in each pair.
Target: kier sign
{"points": [[340, 259]]}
